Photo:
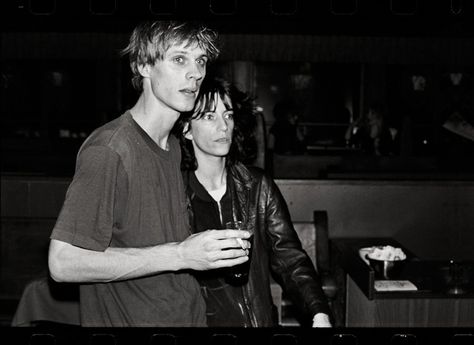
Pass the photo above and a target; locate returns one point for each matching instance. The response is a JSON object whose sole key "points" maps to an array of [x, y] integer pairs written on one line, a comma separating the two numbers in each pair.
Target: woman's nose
{"points": [[223, 125]]}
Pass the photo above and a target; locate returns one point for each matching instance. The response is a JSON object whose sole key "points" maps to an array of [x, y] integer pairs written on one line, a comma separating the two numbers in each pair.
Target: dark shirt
{"points": [[216, 286], [127, 192]]}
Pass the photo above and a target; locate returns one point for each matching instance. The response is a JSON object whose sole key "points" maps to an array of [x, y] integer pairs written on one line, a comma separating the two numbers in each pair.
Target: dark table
{"points": [[434, 303]]}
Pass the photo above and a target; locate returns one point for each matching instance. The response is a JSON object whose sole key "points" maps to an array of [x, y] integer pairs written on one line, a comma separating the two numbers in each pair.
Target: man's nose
{"points": [[196, 71]]}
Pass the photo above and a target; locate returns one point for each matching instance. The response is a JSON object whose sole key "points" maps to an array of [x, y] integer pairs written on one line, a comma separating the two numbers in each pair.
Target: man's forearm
{"points": [[73, 264], [207, 250]]}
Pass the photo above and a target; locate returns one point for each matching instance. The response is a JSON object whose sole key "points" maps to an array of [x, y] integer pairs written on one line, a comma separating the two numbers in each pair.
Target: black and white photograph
{"points": [[179, 170]]}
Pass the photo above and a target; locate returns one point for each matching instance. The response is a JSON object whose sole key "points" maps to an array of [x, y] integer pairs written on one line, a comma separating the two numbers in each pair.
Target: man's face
{"points": [[211, 134], [175, 80]]}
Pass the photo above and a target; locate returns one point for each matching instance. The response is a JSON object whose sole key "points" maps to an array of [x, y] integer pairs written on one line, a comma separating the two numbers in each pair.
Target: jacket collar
{"points": [[242, 177]]}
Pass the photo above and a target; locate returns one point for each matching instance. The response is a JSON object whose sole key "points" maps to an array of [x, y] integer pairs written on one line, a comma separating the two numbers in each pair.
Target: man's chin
{"points": [[186, 107]]}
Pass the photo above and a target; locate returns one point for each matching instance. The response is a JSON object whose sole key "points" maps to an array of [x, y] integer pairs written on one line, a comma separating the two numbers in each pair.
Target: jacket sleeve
{"points": [[291, 265]]}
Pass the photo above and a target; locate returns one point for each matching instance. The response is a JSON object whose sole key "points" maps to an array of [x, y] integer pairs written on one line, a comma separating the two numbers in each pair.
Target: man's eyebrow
{"points": [[172, 51], [184, 52]]}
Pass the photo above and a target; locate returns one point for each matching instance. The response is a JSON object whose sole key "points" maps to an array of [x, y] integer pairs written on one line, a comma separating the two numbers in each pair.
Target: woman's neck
{"points": [[212, 174]]}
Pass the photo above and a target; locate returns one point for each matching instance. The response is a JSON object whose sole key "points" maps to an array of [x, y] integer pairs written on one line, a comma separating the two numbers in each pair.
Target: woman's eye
{"points": [[229, 116], [179, 59], [208, 116]]}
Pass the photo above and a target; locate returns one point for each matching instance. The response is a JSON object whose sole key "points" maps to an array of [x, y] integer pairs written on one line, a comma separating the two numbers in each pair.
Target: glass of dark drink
{"points": [[238, 275]]}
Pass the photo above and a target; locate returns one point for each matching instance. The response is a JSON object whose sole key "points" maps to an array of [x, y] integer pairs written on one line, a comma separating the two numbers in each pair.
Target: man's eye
{"points": [[202, 61]]}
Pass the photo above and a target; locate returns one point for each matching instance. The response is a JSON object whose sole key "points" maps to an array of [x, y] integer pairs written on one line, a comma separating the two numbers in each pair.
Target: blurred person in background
{"points": [[286, 138], [371, 134]]}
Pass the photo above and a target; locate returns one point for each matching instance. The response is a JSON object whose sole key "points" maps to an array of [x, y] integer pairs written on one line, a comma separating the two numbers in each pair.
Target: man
{"points": [[221, 189], [123, 232], [285, 137]]}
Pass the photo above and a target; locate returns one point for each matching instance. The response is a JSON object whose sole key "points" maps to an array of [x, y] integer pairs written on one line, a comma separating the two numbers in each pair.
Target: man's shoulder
{"points": [[112, 134]]}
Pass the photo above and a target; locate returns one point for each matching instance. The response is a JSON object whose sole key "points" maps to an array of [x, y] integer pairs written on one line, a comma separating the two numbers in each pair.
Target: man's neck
{"points": [[156, 121], [211, 173]]}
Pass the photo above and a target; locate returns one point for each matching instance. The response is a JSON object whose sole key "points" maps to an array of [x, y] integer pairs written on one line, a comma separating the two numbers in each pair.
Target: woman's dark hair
{"points": [[244, 145]]}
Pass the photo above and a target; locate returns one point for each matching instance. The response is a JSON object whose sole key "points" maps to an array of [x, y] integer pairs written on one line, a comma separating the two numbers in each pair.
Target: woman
{"points": [[220, 189]]}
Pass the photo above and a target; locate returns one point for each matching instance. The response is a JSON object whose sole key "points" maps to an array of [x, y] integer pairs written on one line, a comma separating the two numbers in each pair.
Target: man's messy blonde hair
{"points": [[150, 41]]}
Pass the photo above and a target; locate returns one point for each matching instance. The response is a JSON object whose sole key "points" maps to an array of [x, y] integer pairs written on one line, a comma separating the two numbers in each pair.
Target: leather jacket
{"points": [[275, 247]]}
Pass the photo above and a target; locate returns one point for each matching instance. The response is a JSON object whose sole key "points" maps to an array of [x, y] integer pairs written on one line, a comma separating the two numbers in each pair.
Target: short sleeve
{"points": [[86, 218]]}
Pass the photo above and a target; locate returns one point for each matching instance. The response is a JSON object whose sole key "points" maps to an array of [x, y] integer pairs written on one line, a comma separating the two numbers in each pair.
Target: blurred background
{"points": [[62, 76]]}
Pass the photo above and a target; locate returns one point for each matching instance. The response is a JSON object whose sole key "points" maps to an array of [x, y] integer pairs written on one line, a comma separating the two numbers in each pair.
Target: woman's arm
{"points": [[289, 260]]}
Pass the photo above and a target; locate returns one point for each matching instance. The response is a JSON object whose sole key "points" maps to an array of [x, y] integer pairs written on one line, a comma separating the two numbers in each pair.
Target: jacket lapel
{"points": [[242, 184]]}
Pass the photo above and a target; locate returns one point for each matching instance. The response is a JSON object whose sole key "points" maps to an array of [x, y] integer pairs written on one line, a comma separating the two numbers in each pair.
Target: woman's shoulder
{"points": [[246, 169], [253, 174]]}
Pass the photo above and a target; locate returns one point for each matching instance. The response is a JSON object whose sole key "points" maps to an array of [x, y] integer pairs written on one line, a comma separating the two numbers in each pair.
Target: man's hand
{"points": [[214, 249], [206, 250]]}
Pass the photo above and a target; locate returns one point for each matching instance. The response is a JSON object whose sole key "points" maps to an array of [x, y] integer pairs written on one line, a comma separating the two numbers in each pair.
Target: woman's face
{"points": [[211, 133]]}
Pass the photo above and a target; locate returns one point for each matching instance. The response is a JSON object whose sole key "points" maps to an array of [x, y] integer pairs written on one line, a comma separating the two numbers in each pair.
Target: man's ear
{"points": [[187, 131], [144, 70]]}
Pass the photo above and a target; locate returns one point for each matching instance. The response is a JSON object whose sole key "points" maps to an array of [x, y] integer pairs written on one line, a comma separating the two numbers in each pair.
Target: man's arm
{"points": [[203, 251]]}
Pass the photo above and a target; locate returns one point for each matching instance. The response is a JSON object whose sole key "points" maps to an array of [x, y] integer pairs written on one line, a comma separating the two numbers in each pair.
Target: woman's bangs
{"points": [[227, 101], [207, 103]]}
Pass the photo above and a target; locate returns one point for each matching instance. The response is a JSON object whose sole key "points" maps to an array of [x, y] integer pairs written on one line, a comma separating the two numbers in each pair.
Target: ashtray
{"points": [[386, 261]]}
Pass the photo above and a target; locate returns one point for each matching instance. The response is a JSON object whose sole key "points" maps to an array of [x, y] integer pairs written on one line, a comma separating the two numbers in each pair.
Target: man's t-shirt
{"points": [[128, 192]]}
